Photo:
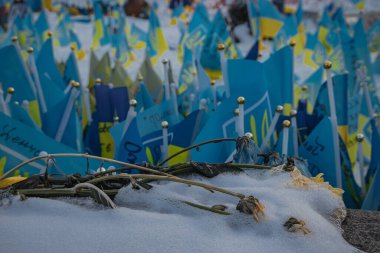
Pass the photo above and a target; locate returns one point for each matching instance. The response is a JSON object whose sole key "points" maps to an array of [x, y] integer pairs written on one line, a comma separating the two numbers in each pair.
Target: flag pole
{"points": [[10, 92], [165, 144], [236, 117], [327, 66], [68, 87], [130, 115], [285, 137], [166, 79], [203, 104], [241, 101], [279, 110], [223, 64], [213, 89], [18, 49], [360, 139], [3, 106], [66, 115], [33, 68], [293, 120]]}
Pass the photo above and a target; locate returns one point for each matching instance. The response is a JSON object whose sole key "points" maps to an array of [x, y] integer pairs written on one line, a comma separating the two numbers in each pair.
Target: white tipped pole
{"points": [[241, 101], [68, 87], [166, 79], [66, 115], [130, 115], [10, 92], [293, 121], [3, 106], [165, 141], [236, 117], [213, 89], [25, 105], [279, 110], [33, 68], [359, 139], [285, 137], [223, 64], [203, 104], [327, 65]]}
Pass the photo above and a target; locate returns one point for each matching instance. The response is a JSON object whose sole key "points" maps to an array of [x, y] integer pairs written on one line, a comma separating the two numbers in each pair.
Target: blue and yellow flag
{"points": [[46, 64], [150, 119], [156, 42], [51, 121], [359, 4], [19, 142], [76, 45], [254, 19], [180, 136], [21, 82], [280, 86], [151, 80], [271, 20], [101, 35], [42, 27], [322, 105], [322, 155]]}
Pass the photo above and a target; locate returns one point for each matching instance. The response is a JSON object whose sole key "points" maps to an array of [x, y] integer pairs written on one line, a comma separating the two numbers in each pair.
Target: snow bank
{"points": [[158, 220]]}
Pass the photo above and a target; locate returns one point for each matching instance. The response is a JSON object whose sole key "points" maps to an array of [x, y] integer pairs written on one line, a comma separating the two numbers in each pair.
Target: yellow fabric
{"points": [[99, 33], [182, 89], [263, 128], [287, 108], [3, 161], [308, 60], [300, 39], [252, 122], [35, 112], [269, 27], [214, 74], [352, 149], [264, 125], [162, 46], [47, 4], [6, 182], [343, 131], [107, 143], [360, 6], [149, 155], [322, 34], [184, 157]]}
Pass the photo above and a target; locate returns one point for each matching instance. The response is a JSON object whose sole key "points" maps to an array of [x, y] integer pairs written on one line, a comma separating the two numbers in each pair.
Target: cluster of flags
{"points": [[219, 93]]}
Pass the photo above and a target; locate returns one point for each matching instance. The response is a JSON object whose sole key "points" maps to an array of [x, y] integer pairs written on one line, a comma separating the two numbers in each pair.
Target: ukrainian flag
{"points": [[156, 43], [101, 36], [359, 4], [271, 20]]}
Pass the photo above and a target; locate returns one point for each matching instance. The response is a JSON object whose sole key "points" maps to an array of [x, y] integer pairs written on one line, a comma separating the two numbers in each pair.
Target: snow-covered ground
{"points": [[158, 221]]}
